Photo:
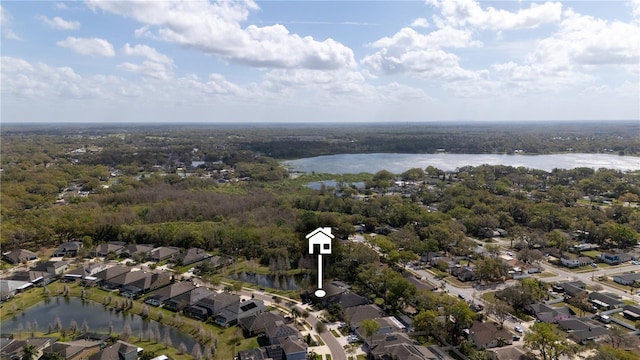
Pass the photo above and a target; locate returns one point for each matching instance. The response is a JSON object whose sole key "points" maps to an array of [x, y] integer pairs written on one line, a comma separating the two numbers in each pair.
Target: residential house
{"points": [[13, 350], [356, 314], [627, 279], [74, 350], [9, 288], [19, 256], [110, 273], [463, 273], [103, 250], [180, 302], [582, 330], [575, 261], [278, 331], [614, 258], [397, 346], [163, 253], [233, 313], [570, 288], [631, 312], [508, 353], [37, 278], [132, 250], [136, 283], [218, 262], [294, 348], [68, 249], [119, 350], [549, 314], [168, 292], [211, 306], [349, 299], [289, 350], [83, 273], [487, 335], [192, 255], [387, 325], [605, 300], [55, 268], [257, 323]]}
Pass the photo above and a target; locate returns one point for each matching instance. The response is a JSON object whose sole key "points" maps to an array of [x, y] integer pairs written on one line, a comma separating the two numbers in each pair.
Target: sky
{"points": [[319, 61]]}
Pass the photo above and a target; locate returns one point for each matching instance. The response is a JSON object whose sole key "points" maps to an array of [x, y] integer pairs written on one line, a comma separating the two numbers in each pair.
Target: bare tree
{"points": [[196, 352], [182, 348], [167, 338], [500, 310]]}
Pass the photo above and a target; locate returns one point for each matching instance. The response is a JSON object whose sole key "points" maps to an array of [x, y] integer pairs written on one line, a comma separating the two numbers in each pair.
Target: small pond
{"points": [[317, 185], [278, 282], [96, 315]]}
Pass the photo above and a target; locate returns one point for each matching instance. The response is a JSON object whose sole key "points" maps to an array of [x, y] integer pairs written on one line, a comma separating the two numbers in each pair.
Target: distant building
{"points": [[68, 249]]}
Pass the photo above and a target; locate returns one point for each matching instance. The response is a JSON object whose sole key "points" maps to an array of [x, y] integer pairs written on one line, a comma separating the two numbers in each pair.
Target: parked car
{"points": [[461, 296], [593, 265], [518, 329]]}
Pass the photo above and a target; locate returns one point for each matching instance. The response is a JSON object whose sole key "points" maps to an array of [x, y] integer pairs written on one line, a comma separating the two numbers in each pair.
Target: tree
{"points": [[606, 352], [427, 320], [28, 352], [320, 327], [370, 328], [182, 348], [546, 339], [500, 310], [457, 318]]}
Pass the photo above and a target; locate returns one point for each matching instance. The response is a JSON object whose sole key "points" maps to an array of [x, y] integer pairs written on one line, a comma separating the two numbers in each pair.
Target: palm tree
{"points": [[295, 313], [28, 352]]}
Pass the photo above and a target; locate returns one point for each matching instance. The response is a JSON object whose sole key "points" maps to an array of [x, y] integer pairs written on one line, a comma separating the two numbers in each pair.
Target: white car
{"points": [[518, 329]]}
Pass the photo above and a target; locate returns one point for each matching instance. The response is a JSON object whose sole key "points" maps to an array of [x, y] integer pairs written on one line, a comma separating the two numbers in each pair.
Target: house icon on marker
{"points": [[322, 237]]}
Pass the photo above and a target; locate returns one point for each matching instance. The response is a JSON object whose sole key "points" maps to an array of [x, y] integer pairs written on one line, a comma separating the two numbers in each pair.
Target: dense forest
{"points": [[216, 188]]}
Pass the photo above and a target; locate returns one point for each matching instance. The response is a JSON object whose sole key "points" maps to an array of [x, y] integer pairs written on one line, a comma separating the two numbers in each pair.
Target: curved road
{"points": [[337, 351]]}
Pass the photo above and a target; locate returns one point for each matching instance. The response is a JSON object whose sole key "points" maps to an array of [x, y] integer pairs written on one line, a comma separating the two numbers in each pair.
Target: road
{"points": [[335, 348]]}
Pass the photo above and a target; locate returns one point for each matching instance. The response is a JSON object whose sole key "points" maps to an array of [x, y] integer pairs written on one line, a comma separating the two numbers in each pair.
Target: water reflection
{"points": [[278, 282], [97, 317]]}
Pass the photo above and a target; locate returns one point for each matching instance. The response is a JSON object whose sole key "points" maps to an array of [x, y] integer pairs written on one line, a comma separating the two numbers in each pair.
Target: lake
{"points": [[96, 316], [398, 163]]}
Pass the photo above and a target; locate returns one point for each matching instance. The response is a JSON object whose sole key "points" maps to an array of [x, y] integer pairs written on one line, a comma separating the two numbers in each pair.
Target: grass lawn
{"points": [[547, 274], [361, 357], [603, 265], [327, 356], [335, 333], [457, 283], [489, 297], [591, 253]]}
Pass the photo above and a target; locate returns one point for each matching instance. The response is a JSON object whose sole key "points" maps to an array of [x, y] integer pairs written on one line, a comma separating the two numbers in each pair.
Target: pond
{"points": [[278, 282], [96, 315], [317, 185], [398, 163]]}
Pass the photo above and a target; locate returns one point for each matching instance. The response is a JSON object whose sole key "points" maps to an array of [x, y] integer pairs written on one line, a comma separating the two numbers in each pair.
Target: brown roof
{"points": [[356, 314], [485, 332]]}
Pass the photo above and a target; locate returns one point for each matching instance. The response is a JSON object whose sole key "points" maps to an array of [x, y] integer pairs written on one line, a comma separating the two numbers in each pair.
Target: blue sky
{"points": [[320, 61]]}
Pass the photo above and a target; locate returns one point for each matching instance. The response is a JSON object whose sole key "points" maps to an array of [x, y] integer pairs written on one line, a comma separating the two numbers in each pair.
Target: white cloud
{"points": [[215, 28], [148, 69], [408, 51], [23, 79], [61, 6], [420, 22], [146, 51], [408, 38], [88, 46], [5, 24], [585, 40], [60, 24], [469, 12]]}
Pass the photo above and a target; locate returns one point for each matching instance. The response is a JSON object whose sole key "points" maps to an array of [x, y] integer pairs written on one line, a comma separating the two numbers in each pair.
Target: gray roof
{"points": [[19, 255]]}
